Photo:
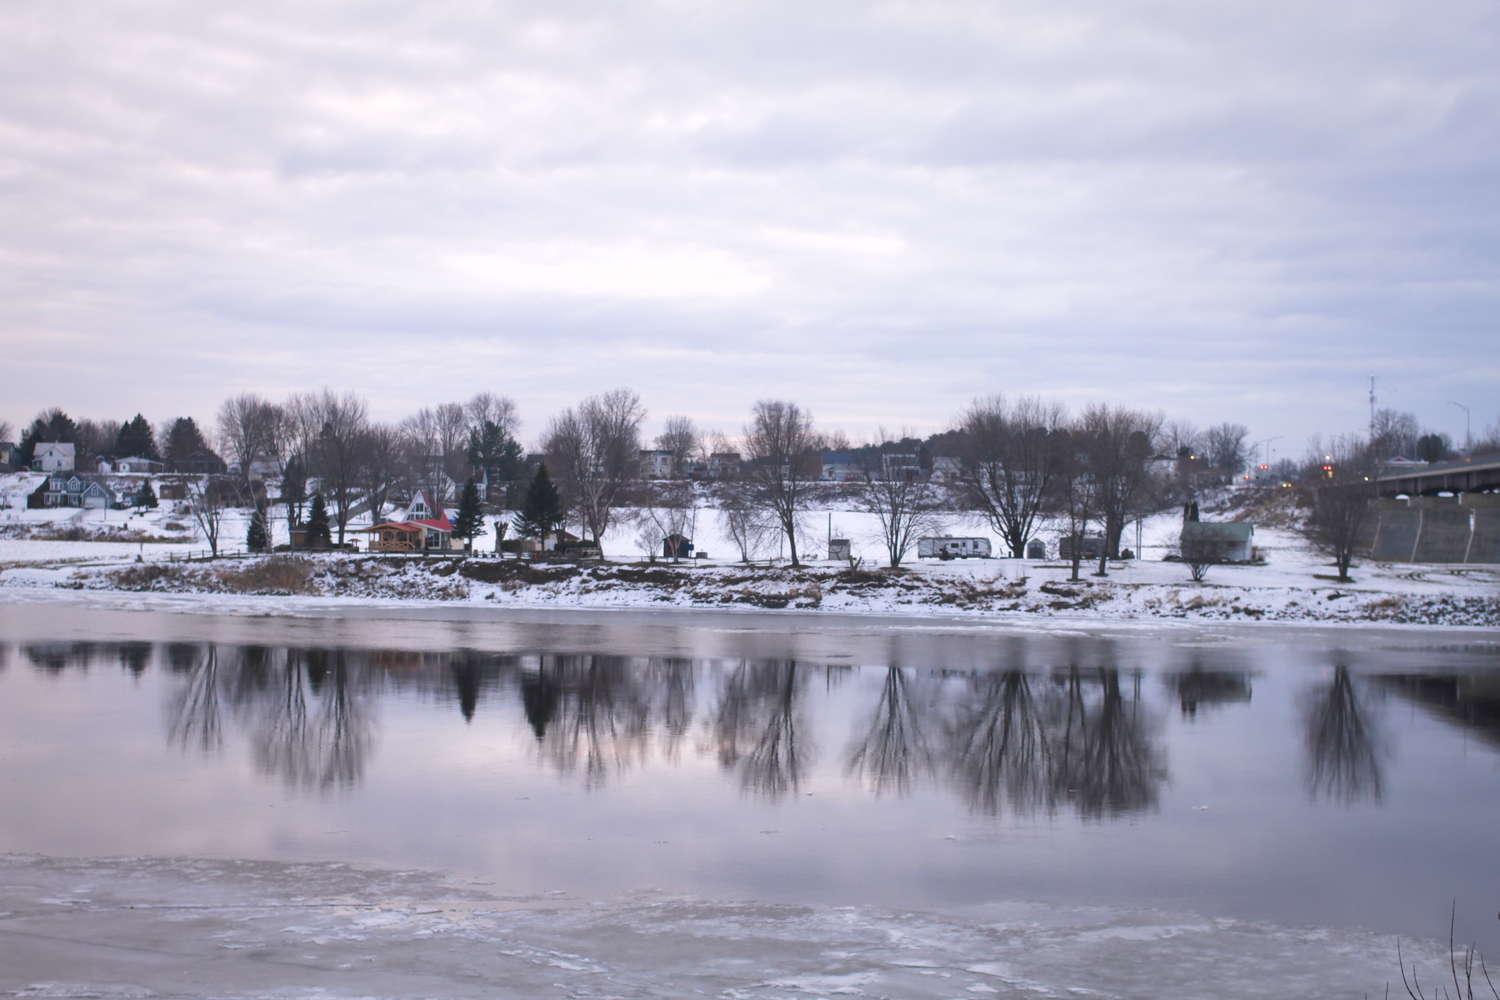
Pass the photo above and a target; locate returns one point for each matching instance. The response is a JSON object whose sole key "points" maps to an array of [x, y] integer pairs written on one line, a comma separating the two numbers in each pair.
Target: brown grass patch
{"points": [[276, 575]]}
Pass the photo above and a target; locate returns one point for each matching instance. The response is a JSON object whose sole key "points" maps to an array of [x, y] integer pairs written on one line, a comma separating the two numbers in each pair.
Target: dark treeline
{"points": [[1014, 741]]}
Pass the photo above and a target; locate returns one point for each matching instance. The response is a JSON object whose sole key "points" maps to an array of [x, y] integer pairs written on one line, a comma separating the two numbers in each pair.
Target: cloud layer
{"points": [[1231, 211]]}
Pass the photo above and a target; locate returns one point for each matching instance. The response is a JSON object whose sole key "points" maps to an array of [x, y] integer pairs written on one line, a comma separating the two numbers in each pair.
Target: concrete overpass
{"points": [[1469, 475]]}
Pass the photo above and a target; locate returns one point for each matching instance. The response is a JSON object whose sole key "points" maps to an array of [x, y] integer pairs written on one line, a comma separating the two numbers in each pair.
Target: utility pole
{"points": [[1468, 439], [1372, 409]]}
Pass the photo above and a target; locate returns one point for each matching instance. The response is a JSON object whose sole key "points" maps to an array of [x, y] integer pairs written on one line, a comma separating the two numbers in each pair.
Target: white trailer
{"points": [[949, 547]]}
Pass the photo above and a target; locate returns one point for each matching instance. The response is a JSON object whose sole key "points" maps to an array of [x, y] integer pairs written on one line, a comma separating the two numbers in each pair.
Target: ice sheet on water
{"points": [[143, 927]]}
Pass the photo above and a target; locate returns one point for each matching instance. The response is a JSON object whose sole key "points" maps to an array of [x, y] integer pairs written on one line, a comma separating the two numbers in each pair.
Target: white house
{"points": [[53, 456]]}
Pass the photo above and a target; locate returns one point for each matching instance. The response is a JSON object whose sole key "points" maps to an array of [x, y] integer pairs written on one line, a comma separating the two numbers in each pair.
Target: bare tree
{"points": [[746, 524], [666, 514], [680, 437], [486, 407], [206, 504], [341, 421], [1072, 498], [1007, 462], [1342, 500], [1394, 435], [438, 441], [784, 469], [903, 502], [452, 424], [1182, 439], [596, 453], [1118, 444], [383, 464], [6, 430], [250, 428], [1225, 444]]}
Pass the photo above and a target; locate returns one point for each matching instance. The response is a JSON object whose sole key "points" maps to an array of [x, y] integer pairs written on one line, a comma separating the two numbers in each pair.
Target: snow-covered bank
{"points": [[1434, 595], [98, 551], [131, 927]]}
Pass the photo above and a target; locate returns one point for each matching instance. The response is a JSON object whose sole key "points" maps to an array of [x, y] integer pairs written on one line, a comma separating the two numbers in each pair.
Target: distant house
{"points": [[75, 490], [8, 451], [423, 507], [175, 490], [138, 464], [199, 463], [907, 464], [53, 456], [723, 465], [945, 469], [656, 464], [839, 467], [1209, 541]]}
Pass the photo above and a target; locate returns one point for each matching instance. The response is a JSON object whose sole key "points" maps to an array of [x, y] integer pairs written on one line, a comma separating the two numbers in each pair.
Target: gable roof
{"points": [[1218, 531]]}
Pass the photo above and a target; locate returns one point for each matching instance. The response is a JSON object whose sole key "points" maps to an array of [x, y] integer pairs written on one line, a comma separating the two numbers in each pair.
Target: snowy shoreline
{"points": [[1461, 596]]}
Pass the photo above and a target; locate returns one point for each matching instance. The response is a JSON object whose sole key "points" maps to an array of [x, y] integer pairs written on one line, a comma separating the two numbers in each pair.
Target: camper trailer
{"points": [[948, 547]]}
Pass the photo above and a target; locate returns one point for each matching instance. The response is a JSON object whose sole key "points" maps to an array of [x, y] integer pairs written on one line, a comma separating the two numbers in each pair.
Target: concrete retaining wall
{"points": [[1464, 528]]}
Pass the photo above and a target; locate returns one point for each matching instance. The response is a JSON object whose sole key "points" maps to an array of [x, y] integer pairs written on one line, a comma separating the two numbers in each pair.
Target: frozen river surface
{"points": [[734, 806]]}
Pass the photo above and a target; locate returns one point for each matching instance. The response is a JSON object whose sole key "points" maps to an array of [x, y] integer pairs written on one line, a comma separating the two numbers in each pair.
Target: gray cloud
{"points": [[1232, 211]]}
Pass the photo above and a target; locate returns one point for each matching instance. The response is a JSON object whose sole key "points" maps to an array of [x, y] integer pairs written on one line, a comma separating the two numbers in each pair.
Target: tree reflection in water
{"points": [[895, 748], [308, 718], [193, 715], [757, 728], [998, 746], [1342, 761], [601, 721], [1105, 762], [1007, 740]]}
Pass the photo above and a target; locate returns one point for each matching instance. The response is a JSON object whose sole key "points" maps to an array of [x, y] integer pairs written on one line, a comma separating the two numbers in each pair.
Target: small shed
{"points": [[1036, 549], [1220, 542], [676, 546], [1089, 545], [839, 549]]}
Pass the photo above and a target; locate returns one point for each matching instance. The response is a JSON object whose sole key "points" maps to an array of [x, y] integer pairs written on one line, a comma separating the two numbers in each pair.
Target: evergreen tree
{"points": [[294, 488], [146, 496], [49, 426], [182, 441], [318, 533], [135, 440], [470, 520], [257, 538], [541, 511], [496, 452]]}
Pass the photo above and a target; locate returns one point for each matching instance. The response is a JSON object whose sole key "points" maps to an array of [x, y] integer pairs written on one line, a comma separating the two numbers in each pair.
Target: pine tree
{"points": [[256, 539], [318, 533], [470, 514], [541, 511], [146, 496], [136, 440]]}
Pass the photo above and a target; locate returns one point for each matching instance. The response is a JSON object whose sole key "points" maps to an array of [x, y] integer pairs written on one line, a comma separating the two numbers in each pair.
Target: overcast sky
{"points": [[1228, 210]]}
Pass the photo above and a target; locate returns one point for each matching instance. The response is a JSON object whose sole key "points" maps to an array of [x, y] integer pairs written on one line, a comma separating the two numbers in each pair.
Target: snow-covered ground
{"points": [[131, 552]]}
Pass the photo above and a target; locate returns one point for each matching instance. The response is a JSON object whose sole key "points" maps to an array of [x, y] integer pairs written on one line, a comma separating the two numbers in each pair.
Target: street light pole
{"points": [[1468, 439]]}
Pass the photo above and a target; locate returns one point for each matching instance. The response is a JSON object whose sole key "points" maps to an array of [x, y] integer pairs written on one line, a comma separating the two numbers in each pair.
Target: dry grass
{"points": [[276, 575]]}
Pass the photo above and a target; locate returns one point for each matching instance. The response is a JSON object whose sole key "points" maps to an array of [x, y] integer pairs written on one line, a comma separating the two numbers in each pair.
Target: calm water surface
{"points": [[1306, 777]]}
